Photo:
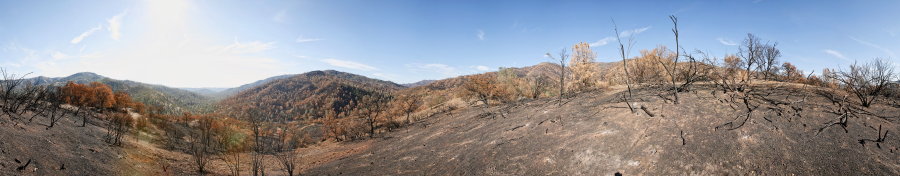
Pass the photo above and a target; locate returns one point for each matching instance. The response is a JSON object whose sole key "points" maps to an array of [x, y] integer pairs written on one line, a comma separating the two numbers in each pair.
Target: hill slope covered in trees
{"points": [[166, 99], [309, 95]]}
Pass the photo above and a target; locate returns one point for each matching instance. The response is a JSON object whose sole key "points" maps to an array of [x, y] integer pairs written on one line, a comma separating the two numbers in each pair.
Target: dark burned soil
{"points": [[66, 149], [791, 130], [595, 133]]}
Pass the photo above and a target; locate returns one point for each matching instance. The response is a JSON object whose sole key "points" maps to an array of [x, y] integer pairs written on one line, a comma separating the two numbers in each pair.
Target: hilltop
{"points": [[232, 91], [309, 95]]}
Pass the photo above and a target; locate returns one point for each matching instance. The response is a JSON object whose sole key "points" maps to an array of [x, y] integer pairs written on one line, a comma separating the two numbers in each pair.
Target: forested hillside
{"points": [[166, 99], [310, 95]]}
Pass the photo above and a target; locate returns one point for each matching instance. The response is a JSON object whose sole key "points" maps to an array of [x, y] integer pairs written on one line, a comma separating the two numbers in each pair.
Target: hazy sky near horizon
{"points": [[227, 43]]}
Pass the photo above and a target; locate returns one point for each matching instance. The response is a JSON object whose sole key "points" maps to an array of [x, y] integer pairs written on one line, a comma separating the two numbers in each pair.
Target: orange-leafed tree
{"points": [[790, 73], [99, 96], [585, 72], [75, 94], [406, 105], [481, 88], [371, 107], [103, 95]]}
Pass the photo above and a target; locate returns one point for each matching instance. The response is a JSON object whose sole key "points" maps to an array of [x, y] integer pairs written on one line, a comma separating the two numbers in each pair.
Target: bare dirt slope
{"points": [[66, 149], [596, 134]]}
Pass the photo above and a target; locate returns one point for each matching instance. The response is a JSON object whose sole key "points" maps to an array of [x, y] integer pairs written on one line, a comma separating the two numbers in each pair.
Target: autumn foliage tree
{"points": [[585, 72], [790, 73], [371, 108], [481, 88], [96, 95], [103, 96], [102, 100], [651, 65], [406, 105]]}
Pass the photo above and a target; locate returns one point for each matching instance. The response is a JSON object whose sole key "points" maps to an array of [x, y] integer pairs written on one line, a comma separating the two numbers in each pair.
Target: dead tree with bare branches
{"points": [[625, 65], [695, 71], [10, 93], [562, 59], [54, 108], [769, 61], [202, 146], [287, 154], [867, 81], [671, 70]]}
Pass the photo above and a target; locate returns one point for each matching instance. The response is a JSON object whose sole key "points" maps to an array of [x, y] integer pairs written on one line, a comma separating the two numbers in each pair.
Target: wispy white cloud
{"points": [[247, 47], [386, 76], [280, 16], [442, 69], [603, 41], [482, 68], [115, 25], [39, 62], [58, 55], [635, 31], [726, 41], [302, 39], [480, 34], [623, 34], [836, 54], [19, 56], [520, 27], [876, 46], [348, 64], [87, 33]]}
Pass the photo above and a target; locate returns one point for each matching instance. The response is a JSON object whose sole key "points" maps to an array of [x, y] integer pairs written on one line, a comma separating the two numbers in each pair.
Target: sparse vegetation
{"points": [[406, 105], [201, 142], [627, 77], [562, 58], [117, 126], [482, 89], [372, 107], [673, 68], [866, 81], [13, 98], [584, 68]]}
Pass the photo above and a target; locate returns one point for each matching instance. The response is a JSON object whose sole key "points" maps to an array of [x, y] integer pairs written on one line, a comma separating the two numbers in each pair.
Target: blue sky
{"points": [[207, 43]]}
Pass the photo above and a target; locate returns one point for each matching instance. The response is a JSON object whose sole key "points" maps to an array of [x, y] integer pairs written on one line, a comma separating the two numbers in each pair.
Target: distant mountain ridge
{"points": [[231, 91], [419, 83], [170, 100], [308, 95]]}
